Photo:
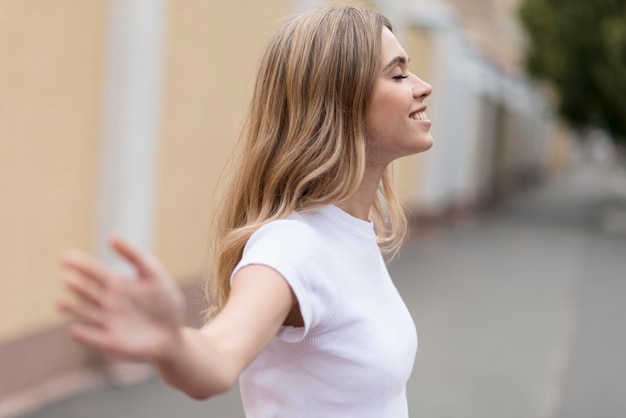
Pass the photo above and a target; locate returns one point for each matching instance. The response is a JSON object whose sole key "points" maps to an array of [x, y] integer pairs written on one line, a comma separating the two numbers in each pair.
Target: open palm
{"points": [[134, 318]]}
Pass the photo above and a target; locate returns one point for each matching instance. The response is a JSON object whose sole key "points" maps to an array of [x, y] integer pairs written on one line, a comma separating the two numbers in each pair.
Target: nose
{"points": [[422, 89]]}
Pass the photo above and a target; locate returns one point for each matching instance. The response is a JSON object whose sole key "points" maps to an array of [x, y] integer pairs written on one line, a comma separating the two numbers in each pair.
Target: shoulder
{"points": [[295, 230], [297, 242], [295, 249]]}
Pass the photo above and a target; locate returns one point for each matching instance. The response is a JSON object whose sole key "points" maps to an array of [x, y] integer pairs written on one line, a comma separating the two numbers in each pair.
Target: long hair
{"points": [[303, 143]]}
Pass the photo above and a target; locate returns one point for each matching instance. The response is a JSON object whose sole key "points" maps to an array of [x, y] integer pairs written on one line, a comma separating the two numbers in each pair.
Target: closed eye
{"points": [[400, 77]]}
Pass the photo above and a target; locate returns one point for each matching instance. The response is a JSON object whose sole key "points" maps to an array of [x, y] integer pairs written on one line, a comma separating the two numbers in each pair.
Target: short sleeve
{"points": [[294, 249]]}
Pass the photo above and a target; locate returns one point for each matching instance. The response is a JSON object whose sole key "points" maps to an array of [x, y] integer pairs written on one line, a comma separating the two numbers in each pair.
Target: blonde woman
{"points": [[305, 315]]}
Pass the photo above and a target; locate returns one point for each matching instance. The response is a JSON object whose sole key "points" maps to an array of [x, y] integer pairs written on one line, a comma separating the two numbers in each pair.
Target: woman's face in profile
{"points": [[396, 120]]}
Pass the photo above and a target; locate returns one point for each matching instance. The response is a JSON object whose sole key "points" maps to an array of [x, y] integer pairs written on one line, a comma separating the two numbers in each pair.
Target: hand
{"points": [[136, 318]]}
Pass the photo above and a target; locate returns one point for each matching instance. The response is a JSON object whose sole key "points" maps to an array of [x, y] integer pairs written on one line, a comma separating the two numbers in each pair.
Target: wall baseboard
{"points": [[49, 366]]}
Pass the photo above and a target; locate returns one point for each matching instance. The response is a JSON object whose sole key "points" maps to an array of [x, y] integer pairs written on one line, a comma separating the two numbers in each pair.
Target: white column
{"points": [[128, 172]]}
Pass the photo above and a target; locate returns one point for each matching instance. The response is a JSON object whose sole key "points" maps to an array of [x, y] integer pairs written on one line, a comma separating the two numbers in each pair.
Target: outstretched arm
{"points": [[142, 319]]}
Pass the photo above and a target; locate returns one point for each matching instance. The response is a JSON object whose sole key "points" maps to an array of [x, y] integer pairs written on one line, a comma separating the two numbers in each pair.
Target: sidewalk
{"points": [[522, 315], [519, 315]]}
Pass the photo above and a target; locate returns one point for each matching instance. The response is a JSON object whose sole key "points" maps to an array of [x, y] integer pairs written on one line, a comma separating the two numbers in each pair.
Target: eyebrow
{"points": [[399, 60]]}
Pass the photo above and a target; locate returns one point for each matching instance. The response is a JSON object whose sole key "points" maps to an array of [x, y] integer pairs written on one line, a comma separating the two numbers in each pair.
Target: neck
{"points": [[359, 204]]}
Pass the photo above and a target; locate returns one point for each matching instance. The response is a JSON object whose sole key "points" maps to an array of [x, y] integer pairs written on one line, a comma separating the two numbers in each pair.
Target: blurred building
{"points": [[119, 115], [493, 27], [494, 129]]}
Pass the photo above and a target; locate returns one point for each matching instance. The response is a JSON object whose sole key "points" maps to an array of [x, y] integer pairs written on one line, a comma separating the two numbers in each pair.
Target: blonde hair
{"points": [[303, 144]]}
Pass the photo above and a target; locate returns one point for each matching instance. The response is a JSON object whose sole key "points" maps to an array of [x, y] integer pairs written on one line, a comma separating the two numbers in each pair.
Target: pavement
{"points": [[520, 314]]}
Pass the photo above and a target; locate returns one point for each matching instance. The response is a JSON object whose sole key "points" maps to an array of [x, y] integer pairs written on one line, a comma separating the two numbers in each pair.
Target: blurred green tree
{"points": [[579, 46]]}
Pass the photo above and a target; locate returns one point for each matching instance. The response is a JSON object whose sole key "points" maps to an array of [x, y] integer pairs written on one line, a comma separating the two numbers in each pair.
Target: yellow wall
{"points": [[409, 170], [213, 53], [50, 109], [49, 104], [493, 26]]}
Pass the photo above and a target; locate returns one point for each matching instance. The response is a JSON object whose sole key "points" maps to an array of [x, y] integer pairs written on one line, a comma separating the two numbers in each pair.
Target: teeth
{"points": [[419, 116]]}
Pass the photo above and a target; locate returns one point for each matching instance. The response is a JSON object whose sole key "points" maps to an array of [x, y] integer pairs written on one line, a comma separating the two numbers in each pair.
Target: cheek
{"points": [[374, 124], [384, 122], [379, 116]]}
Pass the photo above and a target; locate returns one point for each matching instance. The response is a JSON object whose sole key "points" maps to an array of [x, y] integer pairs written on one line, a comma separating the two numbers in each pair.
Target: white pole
{"points": [[128, 153]]}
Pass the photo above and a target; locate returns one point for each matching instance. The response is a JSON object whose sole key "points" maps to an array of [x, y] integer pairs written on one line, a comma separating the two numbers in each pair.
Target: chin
{"points": [[424, 145]]}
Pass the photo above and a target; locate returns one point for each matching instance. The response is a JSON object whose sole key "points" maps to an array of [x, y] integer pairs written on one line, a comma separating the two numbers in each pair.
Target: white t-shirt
{"points": [[355, 353]]}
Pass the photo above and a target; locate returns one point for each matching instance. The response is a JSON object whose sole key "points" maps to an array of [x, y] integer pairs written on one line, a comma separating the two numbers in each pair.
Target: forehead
{"points": [[390, 47]]}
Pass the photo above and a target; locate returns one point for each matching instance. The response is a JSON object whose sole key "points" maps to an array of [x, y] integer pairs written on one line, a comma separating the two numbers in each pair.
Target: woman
{"points": [[306, 315]]}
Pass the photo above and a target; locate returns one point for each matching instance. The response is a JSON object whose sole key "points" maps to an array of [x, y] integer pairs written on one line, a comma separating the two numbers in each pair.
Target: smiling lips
{"points": [[418, 116]]}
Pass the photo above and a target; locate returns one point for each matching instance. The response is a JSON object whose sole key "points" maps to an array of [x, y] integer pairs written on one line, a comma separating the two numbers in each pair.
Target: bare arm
{"points": [[142, 319], [259, 302]]}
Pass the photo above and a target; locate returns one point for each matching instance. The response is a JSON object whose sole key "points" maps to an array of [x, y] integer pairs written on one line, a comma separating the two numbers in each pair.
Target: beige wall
{"points": [[493, 26], [409, 171], [371, 4], [50, 109], [49, 103], [213, 52]]}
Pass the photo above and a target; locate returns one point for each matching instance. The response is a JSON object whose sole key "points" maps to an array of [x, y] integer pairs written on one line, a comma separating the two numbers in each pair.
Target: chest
{"points": [[371, 332]]}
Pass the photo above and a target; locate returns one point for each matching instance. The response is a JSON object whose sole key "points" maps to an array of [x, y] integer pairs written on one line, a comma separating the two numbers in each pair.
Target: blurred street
{"points": [[520, 314]]}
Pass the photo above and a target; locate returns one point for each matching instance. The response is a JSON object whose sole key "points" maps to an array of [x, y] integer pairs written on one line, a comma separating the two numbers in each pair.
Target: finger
{"points": [[87, 266], [87, 290], [90, 335], [146, 264], [99, 339], [83, 313]]}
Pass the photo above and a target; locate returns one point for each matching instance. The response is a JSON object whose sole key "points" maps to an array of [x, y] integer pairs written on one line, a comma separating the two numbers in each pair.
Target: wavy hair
{"points": [[303, 143]]}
